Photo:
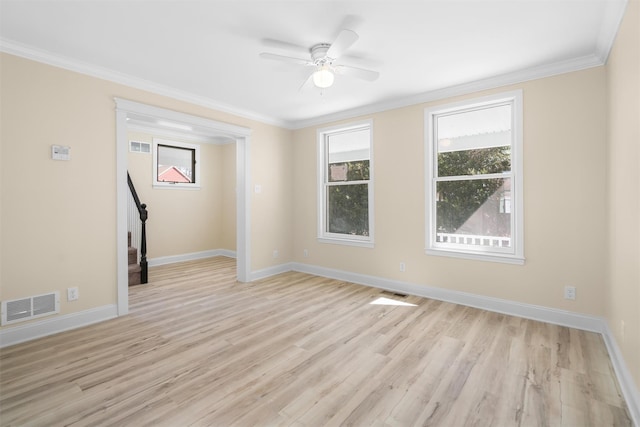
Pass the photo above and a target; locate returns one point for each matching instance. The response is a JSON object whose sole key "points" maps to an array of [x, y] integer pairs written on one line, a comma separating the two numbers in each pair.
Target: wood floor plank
{"points": [[201, 349]]}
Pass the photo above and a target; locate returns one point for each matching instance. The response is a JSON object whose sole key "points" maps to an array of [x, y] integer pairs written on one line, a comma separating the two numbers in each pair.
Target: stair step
{"points": [[134, 274], [133, 255]]}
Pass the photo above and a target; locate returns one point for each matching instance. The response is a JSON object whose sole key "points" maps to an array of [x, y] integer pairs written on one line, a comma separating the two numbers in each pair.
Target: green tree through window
{"points": [[345, 179], [349, 204], [474, 185], [458, 200]]}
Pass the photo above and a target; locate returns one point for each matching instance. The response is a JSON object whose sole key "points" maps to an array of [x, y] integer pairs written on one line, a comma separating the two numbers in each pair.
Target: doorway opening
{"points": [[129, 113]]}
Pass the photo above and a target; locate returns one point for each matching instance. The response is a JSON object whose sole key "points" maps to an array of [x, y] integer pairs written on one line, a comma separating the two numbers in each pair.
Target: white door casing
{"points": [[126, 110]]}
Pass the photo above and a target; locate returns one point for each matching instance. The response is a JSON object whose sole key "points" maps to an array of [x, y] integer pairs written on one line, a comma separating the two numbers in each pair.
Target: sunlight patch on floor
{"points": [[389, 301]]}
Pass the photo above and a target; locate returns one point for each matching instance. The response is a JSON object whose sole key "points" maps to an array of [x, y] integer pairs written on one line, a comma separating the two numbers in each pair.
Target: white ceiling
{"points": [[207, 51]]}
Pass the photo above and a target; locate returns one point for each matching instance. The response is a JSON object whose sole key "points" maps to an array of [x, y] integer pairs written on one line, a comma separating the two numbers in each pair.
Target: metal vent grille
{"points": [[18, 309], [31, 307]]}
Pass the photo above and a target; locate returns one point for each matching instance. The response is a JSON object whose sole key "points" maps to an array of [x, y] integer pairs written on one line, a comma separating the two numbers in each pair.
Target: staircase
{"points": [[136, 222], [134, 268]]}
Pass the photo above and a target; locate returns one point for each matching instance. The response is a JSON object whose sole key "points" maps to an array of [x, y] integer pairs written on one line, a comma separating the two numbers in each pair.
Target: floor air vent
{"points": [[395, 294], [19, 310]]}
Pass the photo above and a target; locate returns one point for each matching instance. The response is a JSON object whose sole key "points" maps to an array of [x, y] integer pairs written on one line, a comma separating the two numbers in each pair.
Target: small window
{"points": [[139, 147], [176, 164], [345, 178], [474, 179]]}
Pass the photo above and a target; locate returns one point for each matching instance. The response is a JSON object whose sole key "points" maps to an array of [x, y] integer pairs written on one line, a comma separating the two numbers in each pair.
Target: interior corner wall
{"points": [[181, 221], [272, 204], [564, 213], [623, 274]]}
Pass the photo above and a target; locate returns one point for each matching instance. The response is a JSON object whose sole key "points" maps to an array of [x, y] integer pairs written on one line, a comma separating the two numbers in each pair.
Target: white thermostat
{"points": [[59, 152]]}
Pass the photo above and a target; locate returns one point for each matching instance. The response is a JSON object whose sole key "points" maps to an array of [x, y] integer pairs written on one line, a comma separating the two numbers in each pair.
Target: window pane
{"points": [[474, 142], [349, 171], [481, 121], [348, 209], [474, 212], [175, 164], [349, 146], [474, 162]]}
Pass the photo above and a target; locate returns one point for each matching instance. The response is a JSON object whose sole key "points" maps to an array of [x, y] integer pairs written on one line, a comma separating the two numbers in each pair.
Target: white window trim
{"points": [[336, 238], [516, 254], [175, 185]]}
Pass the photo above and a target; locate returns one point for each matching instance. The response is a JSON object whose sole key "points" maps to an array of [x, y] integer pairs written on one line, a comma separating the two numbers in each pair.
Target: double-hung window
{"points": [[474, 179], [345, 179]]}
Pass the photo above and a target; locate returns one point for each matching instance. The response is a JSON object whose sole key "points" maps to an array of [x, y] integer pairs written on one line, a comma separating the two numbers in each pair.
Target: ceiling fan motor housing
{"points": [[319, 54], [322, 57]]}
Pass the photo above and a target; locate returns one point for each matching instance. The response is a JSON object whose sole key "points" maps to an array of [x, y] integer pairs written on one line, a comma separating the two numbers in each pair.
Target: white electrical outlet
{"points": [[305, 253], [72, 294], [276, 254], [570, 292], [403, 267]]}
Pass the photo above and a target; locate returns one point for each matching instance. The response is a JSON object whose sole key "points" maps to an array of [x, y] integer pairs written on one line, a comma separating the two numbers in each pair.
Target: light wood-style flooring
{"points": [[200, 349]]}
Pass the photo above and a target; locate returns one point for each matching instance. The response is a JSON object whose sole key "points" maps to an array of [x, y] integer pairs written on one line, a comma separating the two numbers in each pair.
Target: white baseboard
{"points": [[53, 325], [528, 311], [271, 271], [628, 386], [190, 256], [17, 334]]}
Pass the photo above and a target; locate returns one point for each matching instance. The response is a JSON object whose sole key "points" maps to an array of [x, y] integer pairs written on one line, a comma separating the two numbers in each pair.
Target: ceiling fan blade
{"points": [[307, 82], [298, 61], [344, 41], [359, 73]]}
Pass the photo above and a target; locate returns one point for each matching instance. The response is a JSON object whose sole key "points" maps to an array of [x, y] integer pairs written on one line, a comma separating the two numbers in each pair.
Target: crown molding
{"points": [[18, 49], [609, 30], [605, 43], [520, 76]]}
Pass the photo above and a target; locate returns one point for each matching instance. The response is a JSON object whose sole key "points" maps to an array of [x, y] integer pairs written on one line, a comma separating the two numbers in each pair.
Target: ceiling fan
{"points": [[323, 57]]}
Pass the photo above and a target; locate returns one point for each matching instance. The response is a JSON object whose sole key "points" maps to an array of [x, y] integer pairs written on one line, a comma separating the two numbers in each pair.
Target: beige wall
{"points": [[58, 219], [623, 290], [183, 221], [564, 180], [272, 207]]}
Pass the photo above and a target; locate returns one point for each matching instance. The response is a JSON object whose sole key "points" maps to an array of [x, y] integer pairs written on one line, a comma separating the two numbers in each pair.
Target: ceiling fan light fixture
{"points": [[323, 77], [323, 57]]}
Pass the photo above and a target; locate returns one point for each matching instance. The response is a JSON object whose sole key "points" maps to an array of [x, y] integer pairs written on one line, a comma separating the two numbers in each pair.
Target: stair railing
{"points": [[143, 214]]}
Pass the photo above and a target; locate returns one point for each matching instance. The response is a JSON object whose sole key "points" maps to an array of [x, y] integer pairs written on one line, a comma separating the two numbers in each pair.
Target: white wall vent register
{"points": [[139, 147], [30, 308]]}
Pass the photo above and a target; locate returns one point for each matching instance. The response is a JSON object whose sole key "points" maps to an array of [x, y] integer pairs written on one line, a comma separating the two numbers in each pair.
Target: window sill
{"points": [[505, 259], [176, 187], [347, 242]]}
